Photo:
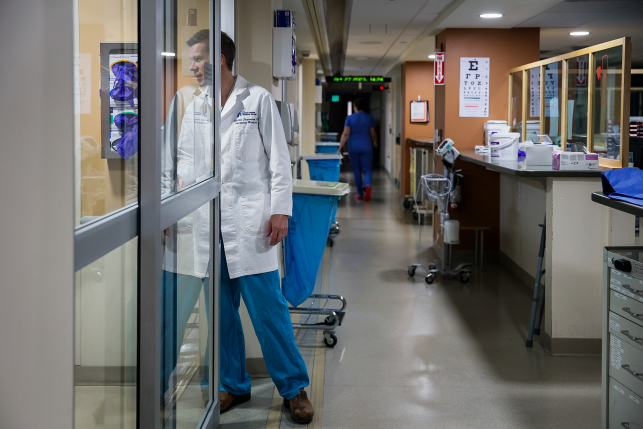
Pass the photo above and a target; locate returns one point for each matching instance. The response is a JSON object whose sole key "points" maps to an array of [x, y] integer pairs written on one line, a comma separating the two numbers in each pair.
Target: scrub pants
{"points": [[180, 294], [270, 317], [362, 162]]}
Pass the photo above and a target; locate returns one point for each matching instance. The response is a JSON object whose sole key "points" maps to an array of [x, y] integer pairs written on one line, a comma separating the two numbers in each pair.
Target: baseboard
{"points": [[571, 346], [104, 375], [256, 367], [517, 270]]}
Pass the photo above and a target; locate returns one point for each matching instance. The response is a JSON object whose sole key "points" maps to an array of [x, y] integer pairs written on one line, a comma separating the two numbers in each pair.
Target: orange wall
{"points": [[417, 79], [506, 49]]}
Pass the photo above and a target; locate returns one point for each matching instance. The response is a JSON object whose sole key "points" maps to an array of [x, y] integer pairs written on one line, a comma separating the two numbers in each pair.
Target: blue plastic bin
{"points": [[307, 235]]}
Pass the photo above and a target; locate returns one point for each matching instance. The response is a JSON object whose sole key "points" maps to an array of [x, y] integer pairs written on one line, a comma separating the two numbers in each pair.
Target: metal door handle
{"points": [[635, 374], [631, 289], [627, 334], [628, 311], [626, 425]]}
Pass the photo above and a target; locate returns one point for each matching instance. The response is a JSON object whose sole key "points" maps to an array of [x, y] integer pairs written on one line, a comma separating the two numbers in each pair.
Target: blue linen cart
{"points": [[303, 251], [326, 147]]}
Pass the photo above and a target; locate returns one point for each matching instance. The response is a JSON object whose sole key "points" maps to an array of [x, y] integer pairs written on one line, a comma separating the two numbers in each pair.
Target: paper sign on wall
{"points": [[474, 87], [438, 69], [581, 77], [534, 92], [551, 90]]}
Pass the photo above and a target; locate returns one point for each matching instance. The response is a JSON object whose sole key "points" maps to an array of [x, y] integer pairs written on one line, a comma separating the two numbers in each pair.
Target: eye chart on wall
{"points": [[534, 92], [551, 90], [474, 87]]}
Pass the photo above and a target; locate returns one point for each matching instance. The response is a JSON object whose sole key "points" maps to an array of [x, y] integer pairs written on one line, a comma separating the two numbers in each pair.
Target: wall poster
{"points": [[534, 92], [474, 87]]}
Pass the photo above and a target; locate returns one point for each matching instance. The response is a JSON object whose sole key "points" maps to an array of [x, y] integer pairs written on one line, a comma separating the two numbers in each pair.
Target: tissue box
{"points": [[539, 154], [574, 161]]}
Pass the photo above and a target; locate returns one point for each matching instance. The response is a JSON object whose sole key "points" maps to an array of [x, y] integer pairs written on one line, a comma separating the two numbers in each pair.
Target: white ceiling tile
{"points": [[591, 6], [561, 20]]}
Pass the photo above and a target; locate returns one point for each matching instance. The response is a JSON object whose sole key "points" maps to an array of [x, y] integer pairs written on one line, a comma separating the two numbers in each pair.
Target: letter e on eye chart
{"points": [[474, 87]]}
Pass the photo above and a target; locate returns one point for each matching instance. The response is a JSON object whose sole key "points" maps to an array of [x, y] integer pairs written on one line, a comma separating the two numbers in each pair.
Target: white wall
{"points": [[522, 209], [36, 219]]}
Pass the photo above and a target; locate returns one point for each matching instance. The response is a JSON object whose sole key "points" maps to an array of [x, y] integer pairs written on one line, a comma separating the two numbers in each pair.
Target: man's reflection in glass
{"points": [[187, 159]]}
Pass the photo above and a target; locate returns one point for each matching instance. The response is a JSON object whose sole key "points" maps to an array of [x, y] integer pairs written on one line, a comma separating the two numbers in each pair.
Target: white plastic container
{"points": [[533, 130], [504, 146], [539, 154], [451, 231], [492, 127]]}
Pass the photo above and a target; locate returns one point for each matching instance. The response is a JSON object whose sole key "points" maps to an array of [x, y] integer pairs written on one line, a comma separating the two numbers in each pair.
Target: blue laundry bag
{"points": [[325, 170], [305, 243], [624, 184]]}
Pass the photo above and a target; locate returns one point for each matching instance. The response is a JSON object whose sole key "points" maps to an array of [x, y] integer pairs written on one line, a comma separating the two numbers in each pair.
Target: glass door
{"points": [[147, 213]]}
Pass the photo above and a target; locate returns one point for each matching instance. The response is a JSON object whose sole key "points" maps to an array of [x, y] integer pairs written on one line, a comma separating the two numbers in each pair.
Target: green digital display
{"points": [[358, 79], [335, 98]]}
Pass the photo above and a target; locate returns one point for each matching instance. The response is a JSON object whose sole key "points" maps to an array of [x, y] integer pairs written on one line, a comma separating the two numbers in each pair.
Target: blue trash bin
{"points": [[313, 205], [326, 147]]}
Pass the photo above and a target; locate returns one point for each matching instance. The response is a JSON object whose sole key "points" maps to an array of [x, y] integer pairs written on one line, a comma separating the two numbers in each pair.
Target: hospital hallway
{"points": [[413, 355]]}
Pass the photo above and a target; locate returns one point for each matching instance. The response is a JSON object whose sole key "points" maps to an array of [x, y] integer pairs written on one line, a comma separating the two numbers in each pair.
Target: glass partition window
{"points": [[106, 109], [516, 103], [606, 119], [577, 99], [106, 341], [188, 130], [186, 288], [553, 99]]}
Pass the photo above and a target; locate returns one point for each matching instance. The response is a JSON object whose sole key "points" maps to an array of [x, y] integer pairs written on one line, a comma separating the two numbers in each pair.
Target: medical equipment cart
{"points": [[325, 167], [303, 251]]}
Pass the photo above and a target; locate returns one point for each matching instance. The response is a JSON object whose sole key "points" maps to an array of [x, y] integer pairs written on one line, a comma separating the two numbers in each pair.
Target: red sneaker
{"points": [[358, 197], [367, 193]]}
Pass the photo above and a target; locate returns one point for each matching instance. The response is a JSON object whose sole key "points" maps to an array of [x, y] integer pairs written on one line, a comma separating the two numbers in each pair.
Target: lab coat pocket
{"points": [[255, 210], [248, 146]]}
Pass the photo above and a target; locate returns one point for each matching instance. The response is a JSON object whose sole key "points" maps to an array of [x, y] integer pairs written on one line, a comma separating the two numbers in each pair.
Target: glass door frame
{"points": [[152, 214]]}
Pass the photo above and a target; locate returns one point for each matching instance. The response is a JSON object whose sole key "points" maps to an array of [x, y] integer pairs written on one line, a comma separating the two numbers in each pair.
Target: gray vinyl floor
{"points": [[446, 355]]}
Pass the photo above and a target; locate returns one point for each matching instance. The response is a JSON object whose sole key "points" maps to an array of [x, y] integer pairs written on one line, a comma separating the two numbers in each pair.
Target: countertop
{"points": [[520, 168], [601, 198], [421, 141]]}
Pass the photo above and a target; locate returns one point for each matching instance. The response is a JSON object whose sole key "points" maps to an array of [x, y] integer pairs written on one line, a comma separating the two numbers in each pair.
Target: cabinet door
{"points": [[625, 407]]}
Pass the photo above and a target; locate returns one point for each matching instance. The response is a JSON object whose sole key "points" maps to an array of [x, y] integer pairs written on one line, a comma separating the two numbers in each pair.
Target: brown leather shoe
{"points": [[228, 400], [301, 410]]}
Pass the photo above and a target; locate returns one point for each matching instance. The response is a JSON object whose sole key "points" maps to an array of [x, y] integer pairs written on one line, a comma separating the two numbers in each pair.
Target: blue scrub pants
{"points": [[362, 162], [270, 317], [180, 294]]}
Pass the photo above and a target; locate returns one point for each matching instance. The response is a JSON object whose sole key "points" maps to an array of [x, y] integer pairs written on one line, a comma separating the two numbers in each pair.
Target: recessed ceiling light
{"points": [[579, 33], [431, 56], [168, 54], [491, 15]]}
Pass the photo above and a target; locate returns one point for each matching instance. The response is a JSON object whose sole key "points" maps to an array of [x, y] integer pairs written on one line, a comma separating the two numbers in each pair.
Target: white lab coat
{"points": [[256, 180], [187, 248]]}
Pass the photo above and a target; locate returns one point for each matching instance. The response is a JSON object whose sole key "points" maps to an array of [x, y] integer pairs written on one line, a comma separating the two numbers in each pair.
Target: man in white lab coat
{"points": [[256, 202]]}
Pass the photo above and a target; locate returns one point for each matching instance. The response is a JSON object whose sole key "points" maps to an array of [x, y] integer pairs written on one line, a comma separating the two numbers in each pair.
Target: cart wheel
{"points": [[329, 320], [411, 270], [330, 340], [406, 204], [430, 278], [464, 277]]}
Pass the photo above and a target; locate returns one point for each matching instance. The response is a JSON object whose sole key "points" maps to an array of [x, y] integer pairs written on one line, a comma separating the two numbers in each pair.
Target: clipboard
{"points": [[419, 111]]}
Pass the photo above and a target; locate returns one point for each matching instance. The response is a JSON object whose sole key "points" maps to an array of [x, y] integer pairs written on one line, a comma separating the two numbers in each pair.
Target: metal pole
{"points": [[482, 250], [534, 301], [476, 263]]}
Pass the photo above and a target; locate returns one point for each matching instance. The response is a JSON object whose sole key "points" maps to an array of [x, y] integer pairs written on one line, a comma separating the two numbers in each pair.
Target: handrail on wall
{"points": [[591, 51]]}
